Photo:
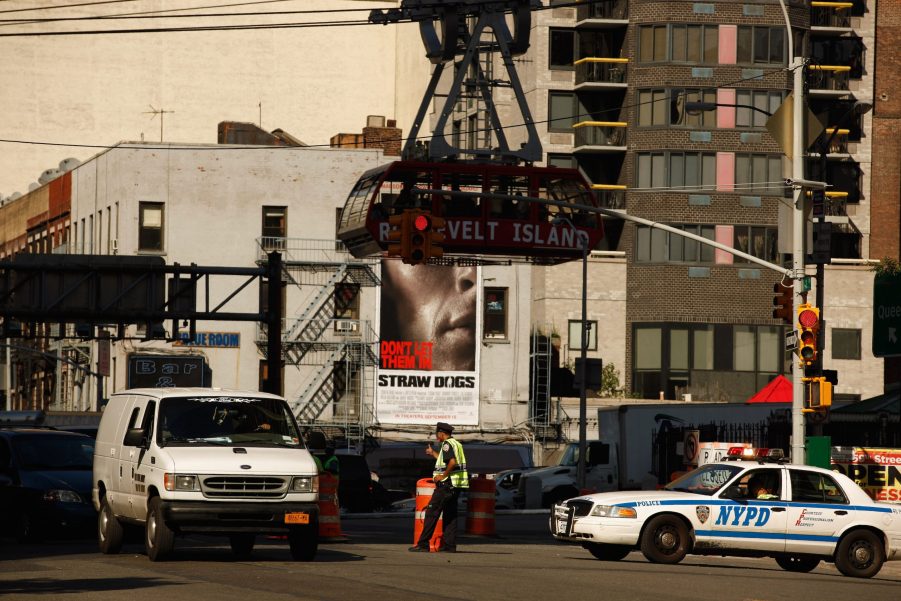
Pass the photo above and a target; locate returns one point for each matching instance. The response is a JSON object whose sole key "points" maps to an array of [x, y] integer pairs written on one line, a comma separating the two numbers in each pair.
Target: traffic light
{"points": [[808, 326], [399, 235], [420, 238], [436, 242], [782, 303], [819, 394]]}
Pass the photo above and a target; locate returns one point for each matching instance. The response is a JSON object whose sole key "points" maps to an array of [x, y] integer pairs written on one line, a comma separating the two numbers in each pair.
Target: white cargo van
{"points": [[203, 460]]}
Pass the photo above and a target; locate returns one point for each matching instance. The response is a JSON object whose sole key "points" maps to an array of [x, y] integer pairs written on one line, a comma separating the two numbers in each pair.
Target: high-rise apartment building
{"points": [[611, 85]]}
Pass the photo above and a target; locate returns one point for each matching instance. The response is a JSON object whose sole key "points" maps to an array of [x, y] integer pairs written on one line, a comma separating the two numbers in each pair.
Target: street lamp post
{"points": [[583, 353]]}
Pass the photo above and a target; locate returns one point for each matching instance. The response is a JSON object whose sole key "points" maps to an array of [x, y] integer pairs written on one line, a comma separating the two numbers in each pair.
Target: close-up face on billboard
{"points": [[428, 349]]}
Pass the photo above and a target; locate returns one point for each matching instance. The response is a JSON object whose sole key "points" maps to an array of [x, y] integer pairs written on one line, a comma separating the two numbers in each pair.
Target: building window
{"points": [[679, 116], [681, 171], [275, 228], [150, 226], [652, 108], [347, 301], [562, 111], [760, 99], [694, 43], [667, 357], [653, 245], [759, 173], [566, 161], [495, 313], [562, 48], [846, 344], [758, 241], [575, 335], [652, 43], [761, 45]]}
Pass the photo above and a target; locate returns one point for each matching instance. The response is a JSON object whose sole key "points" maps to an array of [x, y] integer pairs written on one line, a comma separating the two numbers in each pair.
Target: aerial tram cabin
{"points": [[489, 220]]}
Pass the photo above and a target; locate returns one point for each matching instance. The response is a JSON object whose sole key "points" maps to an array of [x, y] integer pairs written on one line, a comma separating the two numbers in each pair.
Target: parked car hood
{"points": [[76, 480]]}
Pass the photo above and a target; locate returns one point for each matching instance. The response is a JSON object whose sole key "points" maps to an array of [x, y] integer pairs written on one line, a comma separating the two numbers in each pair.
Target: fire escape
{"points": [[326, 340]]}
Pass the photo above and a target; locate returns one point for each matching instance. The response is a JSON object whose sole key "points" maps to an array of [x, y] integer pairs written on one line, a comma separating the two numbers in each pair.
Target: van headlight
{"points": [[179, 482], [305, 484], [613, 511]]}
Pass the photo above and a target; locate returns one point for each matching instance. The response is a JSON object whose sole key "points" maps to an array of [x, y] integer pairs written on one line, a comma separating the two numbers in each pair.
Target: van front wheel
{"points": [[110, 532], [304, 541], [159, 539]]}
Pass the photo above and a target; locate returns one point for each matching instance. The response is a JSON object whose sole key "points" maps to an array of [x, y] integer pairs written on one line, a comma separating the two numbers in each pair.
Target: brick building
{"points": [[608, 83]]}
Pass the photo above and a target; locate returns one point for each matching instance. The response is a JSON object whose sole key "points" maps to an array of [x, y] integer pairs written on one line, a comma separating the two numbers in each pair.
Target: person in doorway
{"points": [[432, 303], [450, 477]]}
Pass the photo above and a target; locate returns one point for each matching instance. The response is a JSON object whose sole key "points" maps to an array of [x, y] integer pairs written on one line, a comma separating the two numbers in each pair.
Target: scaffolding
{"points": [[326, 340]]}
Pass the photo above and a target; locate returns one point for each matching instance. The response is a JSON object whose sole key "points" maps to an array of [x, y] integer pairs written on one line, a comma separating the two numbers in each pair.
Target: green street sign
{"points": [[887, 316]]}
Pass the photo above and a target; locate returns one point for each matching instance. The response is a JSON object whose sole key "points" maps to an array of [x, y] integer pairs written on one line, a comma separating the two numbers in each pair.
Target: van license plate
{"points": [[297, 518]]}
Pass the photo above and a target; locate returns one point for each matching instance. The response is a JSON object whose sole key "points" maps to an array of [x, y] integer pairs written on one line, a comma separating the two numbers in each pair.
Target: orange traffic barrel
{"points": [[424, 490], [329, 519], [480, 507]]}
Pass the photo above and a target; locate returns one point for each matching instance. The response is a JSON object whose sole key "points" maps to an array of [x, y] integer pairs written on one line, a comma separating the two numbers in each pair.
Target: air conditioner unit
{"points": [[346, 326]]}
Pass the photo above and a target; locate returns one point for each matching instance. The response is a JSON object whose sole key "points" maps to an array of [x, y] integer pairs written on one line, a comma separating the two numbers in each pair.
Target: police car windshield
{"points": [[706, 480], [225, 420]]}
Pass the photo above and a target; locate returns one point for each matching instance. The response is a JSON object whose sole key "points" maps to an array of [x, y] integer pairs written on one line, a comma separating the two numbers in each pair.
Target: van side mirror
{"points": [[135, 438]]}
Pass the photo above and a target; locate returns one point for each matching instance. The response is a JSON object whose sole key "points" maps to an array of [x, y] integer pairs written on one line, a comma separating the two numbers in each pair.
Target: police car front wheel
{"points": [[665, 539], [860, 554]]}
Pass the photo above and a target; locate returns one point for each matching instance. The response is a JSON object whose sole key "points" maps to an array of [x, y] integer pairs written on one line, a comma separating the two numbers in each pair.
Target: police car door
{"points": [[818, 512], [742, 522]]}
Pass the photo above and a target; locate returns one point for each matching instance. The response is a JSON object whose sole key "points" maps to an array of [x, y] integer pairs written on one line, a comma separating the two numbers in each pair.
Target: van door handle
{"points": [[776, 509], [841, 512]]}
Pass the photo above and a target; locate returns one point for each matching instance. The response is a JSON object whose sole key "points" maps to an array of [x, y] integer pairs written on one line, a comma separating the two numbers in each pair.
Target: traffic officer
{"points": [[331, 461], [450, 477]]}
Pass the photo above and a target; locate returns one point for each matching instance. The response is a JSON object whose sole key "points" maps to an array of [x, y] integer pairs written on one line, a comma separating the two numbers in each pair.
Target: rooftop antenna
{"points": [[161, 112]]}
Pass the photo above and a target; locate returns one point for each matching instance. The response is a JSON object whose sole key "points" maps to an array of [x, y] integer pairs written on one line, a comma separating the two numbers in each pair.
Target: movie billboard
{"points": [[428, 350]]}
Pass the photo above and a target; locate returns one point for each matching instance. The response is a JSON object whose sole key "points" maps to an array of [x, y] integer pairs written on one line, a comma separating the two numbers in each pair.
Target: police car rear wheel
{"points": [[608, 552], [796, 563], [860, 554], [665, 540]]}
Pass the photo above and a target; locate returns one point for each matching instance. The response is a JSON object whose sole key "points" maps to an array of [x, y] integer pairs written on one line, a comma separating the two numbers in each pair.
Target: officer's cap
{"points": [[443, 427]]}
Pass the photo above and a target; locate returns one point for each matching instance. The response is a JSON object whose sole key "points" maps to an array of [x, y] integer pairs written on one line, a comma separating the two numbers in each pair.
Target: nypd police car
{"points": [[752, 504]]}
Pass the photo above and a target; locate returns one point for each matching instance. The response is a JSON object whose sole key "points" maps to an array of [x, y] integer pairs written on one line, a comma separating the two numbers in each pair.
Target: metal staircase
{"points": [[336, 356]]}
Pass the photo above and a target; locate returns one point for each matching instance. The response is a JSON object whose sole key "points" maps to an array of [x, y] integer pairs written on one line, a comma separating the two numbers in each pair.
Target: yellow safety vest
{"points": [[459, 477]]}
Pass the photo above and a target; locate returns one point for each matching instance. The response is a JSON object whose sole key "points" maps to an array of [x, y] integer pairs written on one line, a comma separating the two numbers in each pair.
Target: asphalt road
{"points": [[521, 563]]}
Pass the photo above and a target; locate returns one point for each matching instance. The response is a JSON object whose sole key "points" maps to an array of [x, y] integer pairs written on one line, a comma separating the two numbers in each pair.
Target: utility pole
{"points": [[798, 114]]}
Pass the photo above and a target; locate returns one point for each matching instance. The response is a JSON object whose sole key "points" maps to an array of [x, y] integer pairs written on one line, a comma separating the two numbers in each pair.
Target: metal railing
{"points": [[831, 14], [829, 77], [600, 133], [601, 70], [614, 10], [610, 196], [308, 250]]}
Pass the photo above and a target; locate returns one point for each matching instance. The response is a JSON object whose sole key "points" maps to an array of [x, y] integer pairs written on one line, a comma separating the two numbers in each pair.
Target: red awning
{"points": [[779, 390]]}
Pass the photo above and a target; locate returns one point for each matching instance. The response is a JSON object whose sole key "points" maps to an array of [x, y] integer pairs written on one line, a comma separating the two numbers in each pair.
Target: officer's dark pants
{"points": [[444, 501]]}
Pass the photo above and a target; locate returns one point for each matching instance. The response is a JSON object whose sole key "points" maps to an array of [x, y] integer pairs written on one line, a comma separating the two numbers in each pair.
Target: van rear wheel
{"points": [[304, 541], [242, 545], [110, 533], [159, 539]]}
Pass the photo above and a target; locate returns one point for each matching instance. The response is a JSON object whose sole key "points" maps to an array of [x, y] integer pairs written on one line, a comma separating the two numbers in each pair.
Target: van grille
{"points": [[244, 487], [580, 508]]}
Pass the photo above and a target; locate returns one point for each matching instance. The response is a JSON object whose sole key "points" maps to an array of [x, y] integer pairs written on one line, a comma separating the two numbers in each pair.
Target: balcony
{"points": [[831, 15], [829, 80], [603, 15], [597, 72], [611, 196], [600, 137]]}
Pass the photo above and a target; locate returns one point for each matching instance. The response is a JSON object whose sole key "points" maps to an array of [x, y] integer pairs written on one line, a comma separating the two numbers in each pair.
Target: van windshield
{"points": [[226, 420]]}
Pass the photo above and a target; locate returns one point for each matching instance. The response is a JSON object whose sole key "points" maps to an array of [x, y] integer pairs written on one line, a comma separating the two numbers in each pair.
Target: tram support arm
{"points": [[618, 215]]}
